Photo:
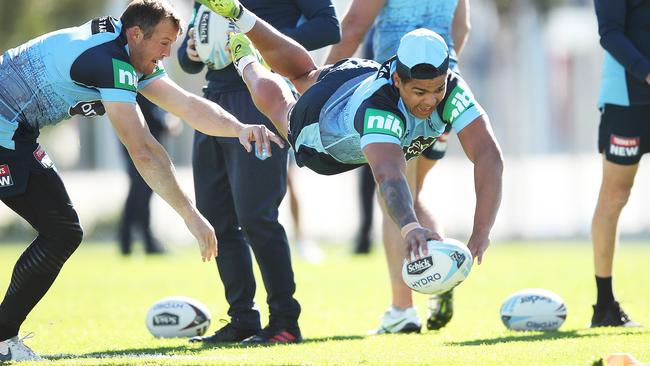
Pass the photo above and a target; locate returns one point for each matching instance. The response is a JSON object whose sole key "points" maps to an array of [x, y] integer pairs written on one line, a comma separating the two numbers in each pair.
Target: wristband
{"points": [[409, 227], [246, 20], [241, 64]]}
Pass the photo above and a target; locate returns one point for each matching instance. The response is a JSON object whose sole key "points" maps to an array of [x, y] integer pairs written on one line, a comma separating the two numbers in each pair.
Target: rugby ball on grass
{"points": [[533, 309], [178, 316], [445, 266]]}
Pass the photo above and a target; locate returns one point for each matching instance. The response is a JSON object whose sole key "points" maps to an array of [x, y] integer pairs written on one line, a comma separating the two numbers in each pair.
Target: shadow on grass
{"points": [[550, 335], [182, 349], [127, 352], [334, 338]]}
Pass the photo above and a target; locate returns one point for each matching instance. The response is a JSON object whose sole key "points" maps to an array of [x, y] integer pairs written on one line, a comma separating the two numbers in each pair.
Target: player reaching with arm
{"points": [[358, 111], [392, 19], [93, 69]]}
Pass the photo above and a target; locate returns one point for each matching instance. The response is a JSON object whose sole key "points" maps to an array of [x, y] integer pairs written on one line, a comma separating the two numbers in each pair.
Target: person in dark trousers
{"points": [[240, 194], [93, 69], [623, 136], [137, 213]]}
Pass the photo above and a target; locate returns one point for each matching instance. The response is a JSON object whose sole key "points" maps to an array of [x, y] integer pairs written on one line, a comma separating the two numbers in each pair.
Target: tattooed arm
{"points": [[389, 169]]}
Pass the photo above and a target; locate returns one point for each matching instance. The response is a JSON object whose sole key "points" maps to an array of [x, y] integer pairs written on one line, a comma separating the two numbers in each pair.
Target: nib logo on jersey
{"points": [[419, 266], [124, 75], [458, 102], [383, 122], [624, 146], [5, 176]]}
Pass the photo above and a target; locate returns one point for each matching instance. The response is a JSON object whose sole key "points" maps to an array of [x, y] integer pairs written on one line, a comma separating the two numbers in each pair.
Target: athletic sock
{"points": [[245, 21], [605, 293], [397, 311]]}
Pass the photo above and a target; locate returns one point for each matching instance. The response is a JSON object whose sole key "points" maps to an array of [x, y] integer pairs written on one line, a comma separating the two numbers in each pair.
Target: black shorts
{"points": [[624, 133], [17, 165], [307, 111]]}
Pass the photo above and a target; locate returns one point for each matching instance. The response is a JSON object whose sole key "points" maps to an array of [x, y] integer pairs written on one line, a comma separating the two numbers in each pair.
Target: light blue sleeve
{"points": [[117, 95], [377, 137], [157, 73], [468, 116]]}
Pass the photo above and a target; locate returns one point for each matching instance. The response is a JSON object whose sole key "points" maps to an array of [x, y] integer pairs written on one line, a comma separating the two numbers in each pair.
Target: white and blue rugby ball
{"points": [[533, 309], [178, 316], [211, 35], [445, 266]]}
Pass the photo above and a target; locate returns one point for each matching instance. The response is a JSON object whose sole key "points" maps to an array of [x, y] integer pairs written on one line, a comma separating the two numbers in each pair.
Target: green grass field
{"points": [[95, 312]]}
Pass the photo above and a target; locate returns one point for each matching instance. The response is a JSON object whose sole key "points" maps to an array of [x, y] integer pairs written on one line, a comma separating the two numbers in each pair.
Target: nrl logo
{"points": [[458, 257], [419, 266]]}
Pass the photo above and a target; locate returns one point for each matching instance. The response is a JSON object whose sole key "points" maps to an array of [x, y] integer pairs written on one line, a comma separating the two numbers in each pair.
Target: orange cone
{"points": [[621, 359]]}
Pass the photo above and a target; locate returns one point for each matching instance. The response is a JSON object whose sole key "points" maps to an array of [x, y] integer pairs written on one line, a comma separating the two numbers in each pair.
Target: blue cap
{"points": [[422, 46]]}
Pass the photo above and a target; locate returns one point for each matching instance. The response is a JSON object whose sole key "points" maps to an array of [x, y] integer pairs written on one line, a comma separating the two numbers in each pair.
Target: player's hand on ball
{"points": [[204, 234], [192, 54], [261, 135], [416, 242], [477, 245]]}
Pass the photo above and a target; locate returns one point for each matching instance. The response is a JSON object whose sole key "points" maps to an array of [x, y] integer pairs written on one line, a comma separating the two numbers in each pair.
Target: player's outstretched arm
{"points": [[389, 169], [206, 116], [482, 149], [154, 165]]}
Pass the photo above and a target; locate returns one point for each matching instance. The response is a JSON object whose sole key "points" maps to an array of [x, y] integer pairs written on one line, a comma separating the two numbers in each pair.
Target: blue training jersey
{"points": [[399, 17], [65, 73], [624, 29], [365, 107]]}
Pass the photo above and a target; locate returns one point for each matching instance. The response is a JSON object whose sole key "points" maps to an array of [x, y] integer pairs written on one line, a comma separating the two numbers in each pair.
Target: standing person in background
{"points": [[392, 19], [93, 69], [137, 211], [240, 194], [624, 135]]}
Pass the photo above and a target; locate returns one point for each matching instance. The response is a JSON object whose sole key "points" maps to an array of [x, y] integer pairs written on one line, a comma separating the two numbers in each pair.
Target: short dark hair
{"points": [[147, 14], [415, 70]]}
